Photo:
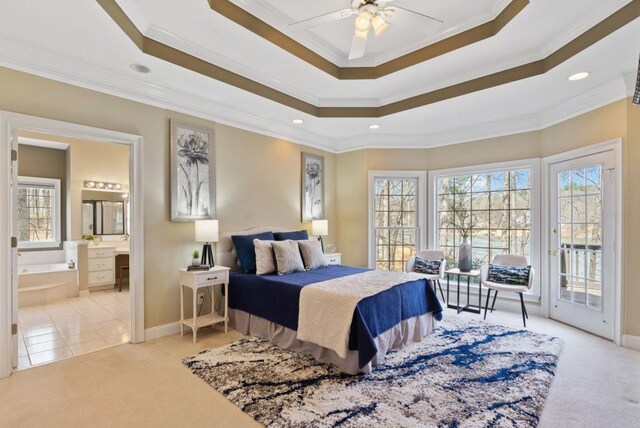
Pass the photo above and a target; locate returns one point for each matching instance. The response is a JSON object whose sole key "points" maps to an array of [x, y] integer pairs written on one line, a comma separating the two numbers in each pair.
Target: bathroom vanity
{"points": [[102, 265]]}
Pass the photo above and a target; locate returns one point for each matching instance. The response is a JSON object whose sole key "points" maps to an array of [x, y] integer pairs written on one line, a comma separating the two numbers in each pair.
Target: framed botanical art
{"points": [[193, 183], [312, 187]]}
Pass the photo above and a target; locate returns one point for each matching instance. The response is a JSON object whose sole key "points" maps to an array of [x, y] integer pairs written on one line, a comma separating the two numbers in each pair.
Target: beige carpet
{"points": [[597, 384]]}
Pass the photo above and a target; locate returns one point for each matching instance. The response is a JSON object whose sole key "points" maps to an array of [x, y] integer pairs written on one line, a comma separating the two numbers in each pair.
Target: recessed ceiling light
{"points": [[374, 126], [297, 121], [579, 76], [140, 68]]}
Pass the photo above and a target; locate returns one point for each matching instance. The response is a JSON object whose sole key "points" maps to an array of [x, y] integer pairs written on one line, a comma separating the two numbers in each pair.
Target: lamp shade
{"points": [[320, 227], [206, 230]]}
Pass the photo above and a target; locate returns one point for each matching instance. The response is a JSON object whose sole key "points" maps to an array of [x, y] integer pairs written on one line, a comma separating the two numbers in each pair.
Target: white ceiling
{"points": [[333, 40], [83, 46]]}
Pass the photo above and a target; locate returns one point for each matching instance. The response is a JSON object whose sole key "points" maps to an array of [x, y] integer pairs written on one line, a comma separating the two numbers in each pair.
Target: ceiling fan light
{"points": [[361, 35], [363, 21], [379, 25]]}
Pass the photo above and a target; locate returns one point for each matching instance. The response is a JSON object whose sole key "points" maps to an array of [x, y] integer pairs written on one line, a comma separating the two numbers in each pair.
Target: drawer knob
{"points": [[211, 279]]}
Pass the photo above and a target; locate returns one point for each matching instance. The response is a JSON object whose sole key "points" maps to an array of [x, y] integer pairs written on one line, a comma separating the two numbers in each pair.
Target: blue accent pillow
{"points": [[429, 267], [509, 275], [246, 251], [298, 235]]}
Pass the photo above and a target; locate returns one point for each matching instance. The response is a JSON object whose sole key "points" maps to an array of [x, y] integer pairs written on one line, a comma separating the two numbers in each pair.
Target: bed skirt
{"points": [[406, 332]]}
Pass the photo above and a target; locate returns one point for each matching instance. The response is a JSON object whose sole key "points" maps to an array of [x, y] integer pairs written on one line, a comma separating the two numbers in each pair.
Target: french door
{"points": [[582, 229]]}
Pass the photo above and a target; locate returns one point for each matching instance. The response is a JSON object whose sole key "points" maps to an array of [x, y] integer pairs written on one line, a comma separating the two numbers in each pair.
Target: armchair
{"points": [[506, 260], [430, 255]]}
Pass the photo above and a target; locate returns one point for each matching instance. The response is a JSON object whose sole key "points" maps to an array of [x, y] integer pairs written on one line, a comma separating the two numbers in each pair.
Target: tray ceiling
{"points": [[226, 67]]}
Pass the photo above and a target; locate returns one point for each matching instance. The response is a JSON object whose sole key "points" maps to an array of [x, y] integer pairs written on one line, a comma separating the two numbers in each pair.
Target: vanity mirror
{"points": [[104, 212]]}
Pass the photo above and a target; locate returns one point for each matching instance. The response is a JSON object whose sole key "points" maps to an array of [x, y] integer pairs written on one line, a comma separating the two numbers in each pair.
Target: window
{"points": [[396, 218], [38, 212], [496, 202]]}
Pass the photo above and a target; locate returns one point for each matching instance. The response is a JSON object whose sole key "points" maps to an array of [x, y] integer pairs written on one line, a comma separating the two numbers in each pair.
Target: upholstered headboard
{"points": [[225, 250]]}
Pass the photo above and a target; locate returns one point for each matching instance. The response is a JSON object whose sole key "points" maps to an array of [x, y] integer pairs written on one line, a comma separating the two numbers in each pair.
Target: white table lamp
{"points": [[320, 228], [207, 232]]}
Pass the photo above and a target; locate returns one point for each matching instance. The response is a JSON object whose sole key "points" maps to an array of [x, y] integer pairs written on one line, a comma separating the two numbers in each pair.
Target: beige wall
{"points": [[631, 291], [258, 177], [45, 162], [618, 120]]}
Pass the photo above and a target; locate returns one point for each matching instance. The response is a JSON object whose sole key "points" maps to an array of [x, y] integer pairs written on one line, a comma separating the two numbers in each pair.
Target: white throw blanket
{"points": [[326, 308]]}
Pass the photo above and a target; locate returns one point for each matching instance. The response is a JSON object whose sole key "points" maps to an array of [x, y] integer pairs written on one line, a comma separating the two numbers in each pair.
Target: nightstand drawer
{"points": [[211, 278], [334, 258]]}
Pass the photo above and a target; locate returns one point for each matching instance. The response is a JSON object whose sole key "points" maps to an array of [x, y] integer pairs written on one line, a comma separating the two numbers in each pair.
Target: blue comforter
{"points": [[276, 298]]}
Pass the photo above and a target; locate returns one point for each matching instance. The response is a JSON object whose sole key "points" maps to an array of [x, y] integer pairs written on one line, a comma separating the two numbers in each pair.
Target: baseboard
{"points": [[162, 330], [631, 342]]}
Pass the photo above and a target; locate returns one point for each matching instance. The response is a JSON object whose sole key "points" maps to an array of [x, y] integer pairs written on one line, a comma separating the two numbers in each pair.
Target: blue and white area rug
{"points": [[466, 374]]}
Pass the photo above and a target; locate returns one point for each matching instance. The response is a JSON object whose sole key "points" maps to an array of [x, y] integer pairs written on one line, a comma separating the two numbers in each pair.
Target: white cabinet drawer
{"points": [[95, 253], [104, 277], [211, 278], [334, 259], [104, 263]]}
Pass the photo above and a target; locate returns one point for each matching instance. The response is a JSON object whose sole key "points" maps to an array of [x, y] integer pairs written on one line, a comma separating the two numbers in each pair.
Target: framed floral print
{"points": [[193, 184], [312, 187]]}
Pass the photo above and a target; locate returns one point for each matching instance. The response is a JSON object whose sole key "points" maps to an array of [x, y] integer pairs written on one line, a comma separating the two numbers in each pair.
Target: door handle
{"points": [[553, 253]]}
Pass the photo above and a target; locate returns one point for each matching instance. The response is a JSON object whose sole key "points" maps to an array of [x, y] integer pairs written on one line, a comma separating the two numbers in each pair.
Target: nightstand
{"points": [[196, 280], [334, 258]]}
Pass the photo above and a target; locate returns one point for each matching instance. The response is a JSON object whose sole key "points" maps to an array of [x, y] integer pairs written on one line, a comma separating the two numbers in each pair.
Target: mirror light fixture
{"points": [[102, 185]]}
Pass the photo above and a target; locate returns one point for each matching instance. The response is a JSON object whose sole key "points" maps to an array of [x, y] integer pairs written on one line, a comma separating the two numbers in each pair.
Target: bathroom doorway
{"points": [[75, 264]]}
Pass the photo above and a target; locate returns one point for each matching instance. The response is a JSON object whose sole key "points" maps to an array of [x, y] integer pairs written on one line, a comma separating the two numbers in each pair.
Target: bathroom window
{"points": [[38, 212]]}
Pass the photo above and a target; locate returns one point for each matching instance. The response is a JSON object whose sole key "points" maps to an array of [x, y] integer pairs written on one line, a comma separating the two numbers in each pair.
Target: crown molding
{"points": [[590, 20], [24, 57], [135, 14], [630, 80], [591, 100], [599, 97], [165, 36], [65, 68]]}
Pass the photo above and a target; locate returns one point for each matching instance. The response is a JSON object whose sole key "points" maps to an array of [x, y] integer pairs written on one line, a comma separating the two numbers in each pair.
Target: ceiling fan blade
{"points": [[358, 46], [416, 21], [321, 19]]}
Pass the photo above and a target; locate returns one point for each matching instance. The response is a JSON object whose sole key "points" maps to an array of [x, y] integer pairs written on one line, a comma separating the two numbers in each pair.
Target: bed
{"points": [[268, 306]]}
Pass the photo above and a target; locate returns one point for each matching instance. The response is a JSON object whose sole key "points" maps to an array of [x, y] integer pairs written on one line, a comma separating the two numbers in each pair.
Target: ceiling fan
{"points": [[372, 16]]}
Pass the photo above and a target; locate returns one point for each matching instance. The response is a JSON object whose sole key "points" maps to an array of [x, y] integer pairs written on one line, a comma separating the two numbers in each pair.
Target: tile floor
{"points": [[72, 327]]}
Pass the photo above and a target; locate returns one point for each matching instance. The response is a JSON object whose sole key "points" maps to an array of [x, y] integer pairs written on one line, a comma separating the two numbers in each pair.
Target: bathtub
{"points": [[42, 284]]}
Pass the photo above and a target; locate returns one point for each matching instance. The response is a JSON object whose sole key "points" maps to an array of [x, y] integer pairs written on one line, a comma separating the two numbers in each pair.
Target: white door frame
{"points": [[421, 204], [616, 147], [10, 123]]}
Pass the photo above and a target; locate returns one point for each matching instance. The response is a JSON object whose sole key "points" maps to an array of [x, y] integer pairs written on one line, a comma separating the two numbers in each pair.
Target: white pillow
{"points": [[288, 258], [265, 258], [312, 254]]}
